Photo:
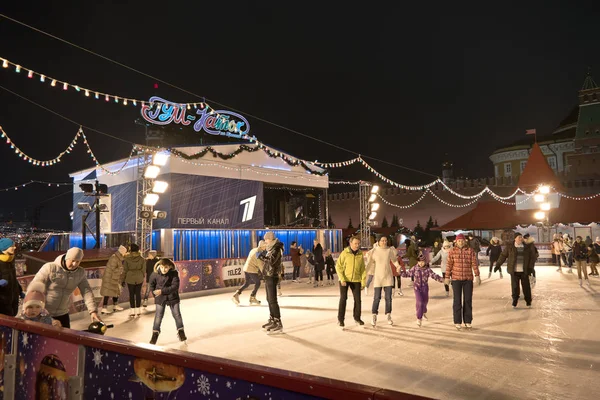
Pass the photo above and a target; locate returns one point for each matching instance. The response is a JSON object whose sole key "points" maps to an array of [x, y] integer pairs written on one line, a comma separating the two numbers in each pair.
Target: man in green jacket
{"points": [[352, 274]]}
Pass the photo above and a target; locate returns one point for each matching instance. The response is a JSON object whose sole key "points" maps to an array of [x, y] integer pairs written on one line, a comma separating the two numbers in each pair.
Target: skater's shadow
{"points": [[308, 308], [311, 295]]}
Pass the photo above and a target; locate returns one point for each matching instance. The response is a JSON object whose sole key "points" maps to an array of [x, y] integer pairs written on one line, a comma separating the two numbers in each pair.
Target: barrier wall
{"points": [[42, 362]]}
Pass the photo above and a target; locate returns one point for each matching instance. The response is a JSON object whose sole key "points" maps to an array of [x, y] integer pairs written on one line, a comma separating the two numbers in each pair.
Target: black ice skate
{"points": [[154, 337], [181, 335], [276, 326], [268, 324]]}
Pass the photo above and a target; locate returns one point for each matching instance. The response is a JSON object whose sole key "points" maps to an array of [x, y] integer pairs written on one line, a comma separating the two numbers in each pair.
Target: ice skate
{"points": [[268, 324], [116, 307], [587, 281], [399, 293], [425, 317], [501, 276], [138, 312], [341, 324], [236, 298], [580, 283], [316, 284], [570, 270], [181, 335], [468, 326], [106, 310], [366, 291], [322, 284], [533, 280], [154, 337], [559, 269], [419, 323], [458, 326], [132, 312], [389, 319], [489, 275], [374, 320], [448, 293], [359, 322], [145, 303], [254, 301], [276, 326]]}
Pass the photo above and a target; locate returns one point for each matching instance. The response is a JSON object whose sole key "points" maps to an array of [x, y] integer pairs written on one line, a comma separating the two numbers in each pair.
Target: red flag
{"points": [[530, 132]]}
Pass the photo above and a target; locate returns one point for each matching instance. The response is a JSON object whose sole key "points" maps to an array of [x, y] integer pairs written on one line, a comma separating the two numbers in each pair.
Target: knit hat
{"points": [[74, 253], [35, 295], [460, 236], [123, 250], [269, 236], [6, 243], [421, 256], [150, 252]]}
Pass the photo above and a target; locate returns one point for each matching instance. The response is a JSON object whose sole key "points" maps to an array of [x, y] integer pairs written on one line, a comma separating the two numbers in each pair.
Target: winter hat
{"points": [[134, 248], [460, 236], [123, 250], [35, 295], [566, 236], [261, 243], [6, 243], [269, 235], [495, 239], [74, 253], [151, 252], [526, 236]]}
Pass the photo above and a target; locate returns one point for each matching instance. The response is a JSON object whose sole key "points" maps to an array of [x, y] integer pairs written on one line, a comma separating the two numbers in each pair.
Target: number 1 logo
{"points": [[248, 208]]}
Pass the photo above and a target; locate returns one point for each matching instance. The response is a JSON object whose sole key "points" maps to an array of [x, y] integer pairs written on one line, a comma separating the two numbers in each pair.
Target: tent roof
{"points": [[537, 172]]}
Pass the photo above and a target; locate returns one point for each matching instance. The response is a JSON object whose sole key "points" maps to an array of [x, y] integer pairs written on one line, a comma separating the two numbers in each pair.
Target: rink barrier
{"points": [[63, 363]]}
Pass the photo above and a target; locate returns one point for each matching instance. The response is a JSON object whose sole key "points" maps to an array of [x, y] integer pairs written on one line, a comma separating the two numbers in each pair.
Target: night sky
{"points": [[403, 84]]}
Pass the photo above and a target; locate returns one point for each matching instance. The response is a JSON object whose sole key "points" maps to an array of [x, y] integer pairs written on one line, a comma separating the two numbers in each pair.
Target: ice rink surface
{"points": [[551, 351]]}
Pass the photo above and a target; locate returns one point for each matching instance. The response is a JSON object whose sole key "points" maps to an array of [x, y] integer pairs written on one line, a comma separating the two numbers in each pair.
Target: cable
{"points": [[205, 99]]}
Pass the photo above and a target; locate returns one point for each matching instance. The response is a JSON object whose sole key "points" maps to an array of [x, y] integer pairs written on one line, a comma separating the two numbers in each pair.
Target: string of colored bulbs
{"points": [[22, 185]]}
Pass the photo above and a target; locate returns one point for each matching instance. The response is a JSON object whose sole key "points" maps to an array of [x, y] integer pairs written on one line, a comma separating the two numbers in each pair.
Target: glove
{"points": [[446, 281], [22, 294], [478, 280], [3, 282]]}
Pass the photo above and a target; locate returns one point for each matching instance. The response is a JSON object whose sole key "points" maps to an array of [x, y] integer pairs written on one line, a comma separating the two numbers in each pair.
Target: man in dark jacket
{"points": [[10, 289], [164, 284], [520, 264], [529, 241], [580, 254], [272, 270], [296, 251]]}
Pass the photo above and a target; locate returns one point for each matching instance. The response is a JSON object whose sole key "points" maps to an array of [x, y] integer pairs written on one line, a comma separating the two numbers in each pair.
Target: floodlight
{"points": [[373, 215], [84, 206], [372, 198], [545, 206], [374, 206], [86, 187], [539, 198], [540, 215], [151, 172], [544, 189], [159, 214], [101, 188], [151, 199], [375, 189], [160, 186], [160, 159]]}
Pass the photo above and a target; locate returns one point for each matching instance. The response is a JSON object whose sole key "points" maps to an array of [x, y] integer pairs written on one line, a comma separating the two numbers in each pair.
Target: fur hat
{"points": [[74, 253], [269, 235], [122, 250], [6, 243], [495, 239], [460, 236], [446, 243], [35, 295]]}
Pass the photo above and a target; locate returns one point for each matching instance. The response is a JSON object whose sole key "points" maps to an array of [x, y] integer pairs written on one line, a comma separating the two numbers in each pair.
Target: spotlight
{"points": [[539, 198], [373, 215], [544, 189], [375, 189], [151, 199], [84, 206], [151, 172], [144, 214], [540, 215], [101, 188], [86, 188], [160, 159], [374, 206], [103, 207], [372, 198], [545, 206], [160, 186]]}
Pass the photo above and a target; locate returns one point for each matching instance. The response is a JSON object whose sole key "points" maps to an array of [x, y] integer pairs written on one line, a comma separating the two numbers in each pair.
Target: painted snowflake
{"points": [[203, 385], [228, 384], [97, 358], [25, 339]]}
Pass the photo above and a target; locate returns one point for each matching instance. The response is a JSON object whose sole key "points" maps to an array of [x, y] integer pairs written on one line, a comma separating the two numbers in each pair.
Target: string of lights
{"points": [[453, 205], [406, 206], [344, 182], [337, 164], [34, 161], [98, 165], [22, 185], [589, 197], [391, 182]]}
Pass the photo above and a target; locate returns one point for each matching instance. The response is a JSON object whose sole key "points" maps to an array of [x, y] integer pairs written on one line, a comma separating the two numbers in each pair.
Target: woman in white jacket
{"points": [[443, 254], [379, 266]]}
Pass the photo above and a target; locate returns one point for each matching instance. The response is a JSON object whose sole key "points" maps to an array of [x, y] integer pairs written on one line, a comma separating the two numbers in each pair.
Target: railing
{"points": [[45, 362]]}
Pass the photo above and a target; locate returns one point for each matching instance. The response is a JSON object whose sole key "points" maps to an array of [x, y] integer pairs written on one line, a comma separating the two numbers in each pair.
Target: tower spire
{"points": [[589, 82]]}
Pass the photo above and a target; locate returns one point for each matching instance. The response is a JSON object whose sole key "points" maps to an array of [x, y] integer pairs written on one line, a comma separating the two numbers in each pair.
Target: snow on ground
{"points": [[550, 351]]}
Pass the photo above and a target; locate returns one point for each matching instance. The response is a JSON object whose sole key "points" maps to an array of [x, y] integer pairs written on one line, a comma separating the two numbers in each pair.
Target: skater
{"points": [[493, 252], [379, 264], [317, 252], [60, 278], [462, 262], [272, 270], [164, 284], [567, 252], [529, 241], [252, 271], [421, 272], [34, 305], [475, 245], [111, 281], [296, 251], [556, 251], [443, 256], [330, 267], [134, 267], [437, 247], [520, 262], [594, 252], [150, 263], [10, 289], [396, 274], [580, 253], [350, 268]]}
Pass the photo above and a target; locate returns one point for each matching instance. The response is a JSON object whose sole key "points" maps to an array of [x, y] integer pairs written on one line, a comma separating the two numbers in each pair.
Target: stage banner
{"points": [[44, 366]]}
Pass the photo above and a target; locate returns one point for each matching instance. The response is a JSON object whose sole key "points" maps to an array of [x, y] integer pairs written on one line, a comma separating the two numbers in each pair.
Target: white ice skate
{"points": [[389, 319], [116, 307], [236, 299], [458, 326], [588, 282], [400, 292], [425, 317], [419, 323], [580, 283], [105, 310], [489, 275], [468, 326], [374, 320]]}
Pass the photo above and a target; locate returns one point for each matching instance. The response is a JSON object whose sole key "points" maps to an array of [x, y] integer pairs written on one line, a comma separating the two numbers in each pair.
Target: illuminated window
{"points": [[507, 169], [552, 162]]}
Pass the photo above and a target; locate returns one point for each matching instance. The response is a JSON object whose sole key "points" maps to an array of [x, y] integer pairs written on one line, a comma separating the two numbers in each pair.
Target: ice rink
{"points": [[551, 351]]}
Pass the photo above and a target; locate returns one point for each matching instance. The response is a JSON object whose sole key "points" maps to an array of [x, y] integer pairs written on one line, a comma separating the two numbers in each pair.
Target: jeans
{"points": [[581, 265], [160, 313], [567, 259], [296, 272], [135, 294], [377, 298], [114, 299], [355, 287], [463, 312], [250, 279], [422, 297], [369, 280], [522, 277], [271, 287]]}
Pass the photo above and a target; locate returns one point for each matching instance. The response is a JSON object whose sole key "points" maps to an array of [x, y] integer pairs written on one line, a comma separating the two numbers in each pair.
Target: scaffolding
{"points": [[144, 214], [365, 223]]}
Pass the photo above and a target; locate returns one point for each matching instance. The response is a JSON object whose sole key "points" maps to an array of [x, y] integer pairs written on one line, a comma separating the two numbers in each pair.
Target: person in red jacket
{"points": [[462, 262]]}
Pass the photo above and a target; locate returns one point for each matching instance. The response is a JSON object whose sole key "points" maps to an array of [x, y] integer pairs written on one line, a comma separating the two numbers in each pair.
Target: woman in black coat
{"points": [[493, 251], [319, 262]]}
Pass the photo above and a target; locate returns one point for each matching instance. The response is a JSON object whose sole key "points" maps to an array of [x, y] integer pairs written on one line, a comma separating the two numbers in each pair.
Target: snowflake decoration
{"points": [[112, 395], [203, 385], [100, 392], [25, 339], [228, 384], [97, 358]]}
